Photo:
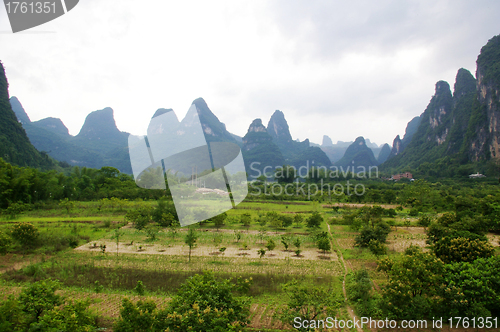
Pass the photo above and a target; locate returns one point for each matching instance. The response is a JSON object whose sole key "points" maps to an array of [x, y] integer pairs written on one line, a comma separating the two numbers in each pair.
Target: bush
{"points": [[139, 217], [140, 316], [378, 233], [309, 302], [205, 304], [315, 220], [377, 248], [25, 233], [5, 242]]}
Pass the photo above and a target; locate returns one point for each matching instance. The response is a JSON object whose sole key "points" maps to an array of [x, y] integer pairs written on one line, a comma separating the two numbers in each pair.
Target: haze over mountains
{"points": [[459, 129]]}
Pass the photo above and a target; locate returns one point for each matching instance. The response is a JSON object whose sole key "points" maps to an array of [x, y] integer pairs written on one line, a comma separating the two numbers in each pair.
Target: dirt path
{"points": [[341, 259]]}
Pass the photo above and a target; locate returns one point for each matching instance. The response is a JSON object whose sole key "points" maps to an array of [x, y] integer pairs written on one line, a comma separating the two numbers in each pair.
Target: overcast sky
{"points": [[337, 68]]}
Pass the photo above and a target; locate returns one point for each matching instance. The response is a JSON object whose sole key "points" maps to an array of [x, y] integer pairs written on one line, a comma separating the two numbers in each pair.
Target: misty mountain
{"points": [[295, 153], [259, 150], [459, 128], [357, 155]]}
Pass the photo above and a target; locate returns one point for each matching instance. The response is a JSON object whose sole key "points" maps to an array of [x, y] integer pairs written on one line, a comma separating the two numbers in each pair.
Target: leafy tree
{"points": [[141, 316], [164, 213], [286, 242], [139, 288], [413, 286], [39, 298], [11, 316], [152, 232], [190, 239], [219, 220], [246, 219], [315, 220], [324, 244], [298, 219], [139, 217], [73, 316], [286, 221], [270, 245], [378, 233], [377, 248], [472, 289], [461, 249], [204, 303], [308, 302], [261, 252]]}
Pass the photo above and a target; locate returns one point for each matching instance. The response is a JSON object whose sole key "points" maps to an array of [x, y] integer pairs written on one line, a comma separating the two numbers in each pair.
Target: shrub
{"points": [[25, 233], [315, 220], [5, 242], [204, 303]]}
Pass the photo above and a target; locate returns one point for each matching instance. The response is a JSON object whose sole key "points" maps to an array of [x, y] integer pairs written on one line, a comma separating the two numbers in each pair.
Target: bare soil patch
{"points": [[183, 250]]}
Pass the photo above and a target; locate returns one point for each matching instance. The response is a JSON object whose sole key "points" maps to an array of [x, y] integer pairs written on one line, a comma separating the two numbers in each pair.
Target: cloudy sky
{"points": [[337, 68]]}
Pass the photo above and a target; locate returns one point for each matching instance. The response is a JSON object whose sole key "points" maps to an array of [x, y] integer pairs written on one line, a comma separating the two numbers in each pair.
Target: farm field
{"points": [[97, 254]]}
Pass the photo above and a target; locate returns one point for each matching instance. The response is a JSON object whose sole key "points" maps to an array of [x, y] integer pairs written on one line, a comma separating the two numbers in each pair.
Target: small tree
{"points": [[152, 232], [246, 220], [190, 239], [261, 252], [297, 244], [286, 242], [116, 236], [308, 302], [315, 220], [38, 298], [139, 217], [324, 244], [270, 245], [205, 303], [298, 219], [219, 220], [238, 236]]}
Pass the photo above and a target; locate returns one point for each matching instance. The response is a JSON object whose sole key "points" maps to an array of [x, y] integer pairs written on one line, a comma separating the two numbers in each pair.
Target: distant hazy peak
{"points": [[327, 141], [18, 109], [278, 128], [161, 111], [98, 123]]}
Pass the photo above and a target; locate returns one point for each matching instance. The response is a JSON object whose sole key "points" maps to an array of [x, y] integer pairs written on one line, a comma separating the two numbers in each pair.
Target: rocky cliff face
{"points": [[215, 131], [279, 130], [257, 135], [483, 134], [15, 147], [259, 150], [463, 127]]}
